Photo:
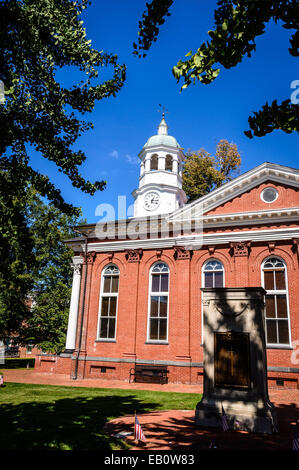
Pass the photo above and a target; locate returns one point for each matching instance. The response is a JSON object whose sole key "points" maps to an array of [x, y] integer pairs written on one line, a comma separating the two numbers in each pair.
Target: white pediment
{"points": [[243, 183]]}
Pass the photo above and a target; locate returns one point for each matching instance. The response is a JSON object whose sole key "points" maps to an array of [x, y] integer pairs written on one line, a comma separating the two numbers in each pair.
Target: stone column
{"points": [[73, 315]]}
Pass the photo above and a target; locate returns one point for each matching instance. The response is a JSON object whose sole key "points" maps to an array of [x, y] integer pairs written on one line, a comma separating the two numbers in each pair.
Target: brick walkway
{"points": [[170, 430]]}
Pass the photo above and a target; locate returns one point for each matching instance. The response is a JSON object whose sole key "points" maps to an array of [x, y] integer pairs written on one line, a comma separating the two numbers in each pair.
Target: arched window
{"points": [[274, 281], [108, 303], [158, 303], [168, 163], [154, 162], [213, 274]]}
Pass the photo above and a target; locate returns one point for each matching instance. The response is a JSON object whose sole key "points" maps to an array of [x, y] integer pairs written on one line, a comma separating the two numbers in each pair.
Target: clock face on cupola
{"points": [[151, 201], [160, 182]]}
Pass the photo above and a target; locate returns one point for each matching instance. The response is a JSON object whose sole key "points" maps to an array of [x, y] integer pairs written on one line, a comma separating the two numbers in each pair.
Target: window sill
{"points": [[279, 346], [156, 342], [102, 340]]}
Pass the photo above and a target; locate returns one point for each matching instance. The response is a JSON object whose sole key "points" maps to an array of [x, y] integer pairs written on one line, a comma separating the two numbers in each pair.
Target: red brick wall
{"points": [[251, 200], [184, 331], [184, 338], [24, 352], [53, 364]]}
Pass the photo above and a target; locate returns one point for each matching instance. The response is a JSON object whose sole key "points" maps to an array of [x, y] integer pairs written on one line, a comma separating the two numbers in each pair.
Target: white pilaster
{"points": [[161, 161], [175, 164], [74, 305], [147, 163]]}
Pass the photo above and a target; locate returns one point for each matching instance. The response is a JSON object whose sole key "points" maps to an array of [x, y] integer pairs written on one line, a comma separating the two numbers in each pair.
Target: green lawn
{"points": [[45, 417]]}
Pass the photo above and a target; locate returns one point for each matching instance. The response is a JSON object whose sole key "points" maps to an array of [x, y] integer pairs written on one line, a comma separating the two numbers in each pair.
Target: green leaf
{"points": [[197, 60], [225, 25]]}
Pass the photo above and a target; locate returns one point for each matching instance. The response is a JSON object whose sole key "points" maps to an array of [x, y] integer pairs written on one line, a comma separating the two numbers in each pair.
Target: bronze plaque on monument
{"points": [[232, 360]]}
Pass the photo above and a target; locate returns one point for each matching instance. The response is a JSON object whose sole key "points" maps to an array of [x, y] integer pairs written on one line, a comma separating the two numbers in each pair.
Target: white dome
{"points": [[162, 140]]}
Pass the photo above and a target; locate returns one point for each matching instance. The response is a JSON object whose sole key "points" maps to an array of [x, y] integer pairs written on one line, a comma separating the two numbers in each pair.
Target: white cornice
{"points": [[165, 172], [275, 216], [160, 147], [157, 187], [256, 217], [196, 241]]}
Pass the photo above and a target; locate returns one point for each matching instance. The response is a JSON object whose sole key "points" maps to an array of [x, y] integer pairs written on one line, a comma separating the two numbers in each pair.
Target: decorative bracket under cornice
{"points": [[89, 257], [295, 247], [240, 248], [182, 253], [134, 256], [271, 246], [211, 250]]}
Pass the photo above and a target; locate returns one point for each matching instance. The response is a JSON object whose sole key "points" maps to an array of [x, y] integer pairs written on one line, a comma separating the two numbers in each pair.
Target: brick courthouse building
{"points": [[136, 297]]}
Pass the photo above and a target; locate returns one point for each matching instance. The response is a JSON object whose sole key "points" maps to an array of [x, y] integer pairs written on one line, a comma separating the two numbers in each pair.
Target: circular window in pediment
{"points": [[269, 194]]}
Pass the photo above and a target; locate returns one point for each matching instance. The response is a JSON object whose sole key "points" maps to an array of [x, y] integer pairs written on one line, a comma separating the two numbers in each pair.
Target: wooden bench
{"points": [[149, 374]]}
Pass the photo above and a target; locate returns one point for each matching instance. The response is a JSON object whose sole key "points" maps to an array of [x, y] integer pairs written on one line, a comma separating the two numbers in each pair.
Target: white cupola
{"points": [[160, 182]]}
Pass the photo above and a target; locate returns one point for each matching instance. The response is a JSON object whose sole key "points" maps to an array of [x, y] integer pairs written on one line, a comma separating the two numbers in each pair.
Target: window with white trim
{"points": [[274, 281], [158, 303], [108, 303], [269, 194], [213, 274]]}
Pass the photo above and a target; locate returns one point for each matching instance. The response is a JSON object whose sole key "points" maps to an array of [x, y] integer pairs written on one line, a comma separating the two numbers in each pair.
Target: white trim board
{"points": [[197, 241]]}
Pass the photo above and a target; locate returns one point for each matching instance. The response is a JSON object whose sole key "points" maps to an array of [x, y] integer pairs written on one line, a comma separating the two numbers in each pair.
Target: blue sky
{"points": [[198, 117]]}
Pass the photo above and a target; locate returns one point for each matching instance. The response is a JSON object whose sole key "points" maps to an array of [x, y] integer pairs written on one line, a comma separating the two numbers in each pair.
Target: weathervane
{"points": [[162, 110]]}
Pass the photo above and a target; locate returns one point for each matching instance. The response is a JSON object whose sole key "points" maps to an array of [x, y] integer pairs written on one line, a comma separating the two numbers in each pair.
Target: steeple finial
{"points": [[162, 128]]}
